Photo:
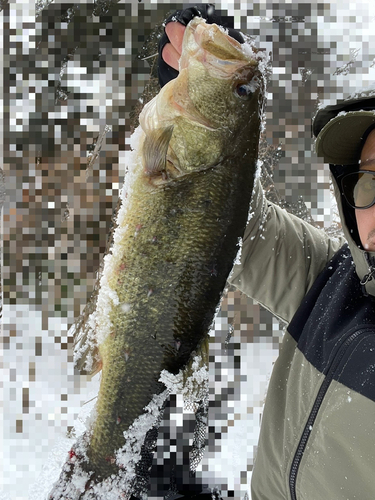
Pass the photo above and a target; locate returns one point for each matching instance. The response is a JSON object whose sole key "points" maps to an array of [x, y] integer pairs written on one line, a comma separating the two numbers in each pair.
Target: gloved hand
{"points": [[170, 43]]}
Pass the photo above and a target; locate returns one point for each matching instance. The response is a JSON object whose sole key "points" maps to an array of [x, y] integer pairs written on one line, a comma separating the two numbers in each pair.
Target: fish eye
{"points": [[243, 91]]}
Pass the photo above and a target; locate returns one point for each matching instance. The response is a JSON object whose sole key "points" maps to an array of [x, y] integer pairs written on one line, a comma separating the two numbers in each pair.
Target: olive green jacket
{"points": [[317, 439]]}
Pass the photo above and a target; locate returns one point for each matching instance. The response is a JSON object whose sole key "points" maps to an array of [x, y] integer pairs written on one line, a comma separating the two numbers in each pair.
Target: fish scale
{"points": [[183, 311]]}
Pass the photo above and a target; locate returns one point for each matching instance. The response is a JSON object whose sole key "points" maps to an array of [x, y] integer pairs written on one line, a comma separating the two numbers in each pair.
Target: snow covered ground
{"points": [[239, 372]]}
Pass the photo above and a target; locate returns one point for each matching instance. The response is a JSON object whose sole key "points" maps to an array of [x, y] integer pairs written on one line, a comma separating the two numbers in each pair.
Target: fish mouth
{"points": [[221, 54], [215, 40]]}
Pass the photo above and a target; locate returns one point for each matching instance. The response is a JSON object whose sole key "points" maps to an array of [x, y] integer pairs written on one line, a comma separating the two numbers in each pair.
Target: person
{"points": [[317, 438]]}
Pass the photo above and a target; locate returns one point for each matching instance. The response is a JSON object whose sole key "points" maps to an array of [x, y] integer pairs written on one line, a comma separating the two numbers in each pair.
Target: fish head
{"points": [[213, 108], [218, 76]]}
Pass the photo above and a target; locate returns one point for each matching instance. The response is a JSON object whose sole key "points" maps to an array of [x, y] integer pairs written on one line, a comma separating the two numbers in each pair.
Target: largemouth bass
{"points": [[185, 204]]}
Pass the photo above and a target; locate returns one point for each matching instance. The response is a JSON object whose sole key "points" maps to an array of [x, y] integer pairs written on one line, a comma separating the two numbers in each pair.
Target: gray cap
{"points": [[339, 129]]}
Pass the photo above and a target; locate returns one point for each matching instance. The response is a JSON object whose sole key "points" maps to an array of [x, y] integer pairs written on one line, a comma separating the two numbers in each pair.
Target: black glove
{"points": [[207, 11]]}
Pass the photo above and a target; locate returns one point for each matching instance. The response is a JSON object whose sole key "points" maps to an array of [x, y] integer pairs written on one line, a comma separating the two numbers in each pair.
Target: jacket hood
{"points": [[341, 130], [364, 260]]}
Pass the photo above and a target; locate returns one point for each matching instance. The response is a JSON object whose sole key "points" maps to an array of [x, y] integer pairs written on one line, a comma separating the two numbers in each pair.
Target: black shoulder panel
{"points": [[336, 322]]}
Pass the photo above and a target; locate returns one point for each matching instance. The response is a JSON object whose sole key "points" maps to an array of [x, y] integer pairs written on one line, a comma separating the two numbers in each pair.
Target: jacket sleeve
{"points": [[281, 257]]}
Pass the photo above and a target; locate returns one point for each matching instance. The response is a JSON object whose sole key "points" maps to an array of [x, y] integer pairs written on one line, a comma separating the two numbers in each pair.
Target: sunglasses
{"points": [[358, 188]]}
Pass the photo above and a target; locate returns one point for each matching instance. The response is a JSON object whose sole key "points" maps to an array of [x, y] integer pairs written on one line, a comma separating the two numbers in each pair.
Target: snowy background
{"points": [[69, 83]]}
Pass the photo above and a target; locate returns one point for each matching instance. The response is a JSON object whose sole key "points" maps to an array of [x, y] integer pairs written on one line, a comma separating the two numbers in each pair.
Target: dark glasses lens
{"points": [[359, 188]]}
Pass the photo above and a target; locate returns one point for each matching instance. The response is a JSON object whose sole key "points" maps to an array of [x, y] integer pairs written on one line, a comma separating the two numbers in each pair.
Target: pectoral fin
{"points": [[155, 150]]}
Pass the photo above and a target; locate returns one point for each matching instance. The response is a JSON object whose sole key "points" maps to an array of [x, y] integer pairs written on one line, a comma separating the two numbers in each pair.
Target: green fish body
{"points": [[184, 209]]}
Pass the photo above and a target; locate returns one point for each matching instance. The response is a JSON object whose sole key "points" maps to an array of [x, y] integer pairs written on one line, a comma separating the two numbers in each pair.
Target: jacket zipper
{"points": [[318, 401]]}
